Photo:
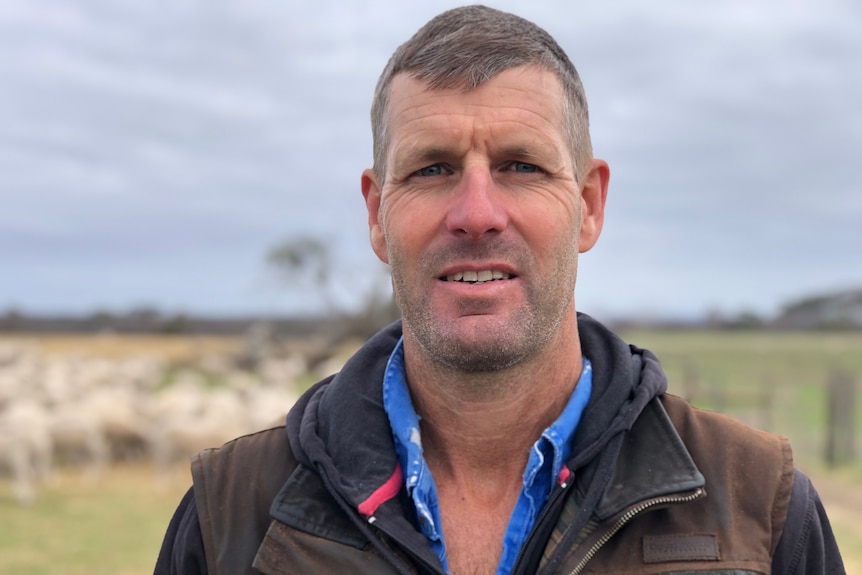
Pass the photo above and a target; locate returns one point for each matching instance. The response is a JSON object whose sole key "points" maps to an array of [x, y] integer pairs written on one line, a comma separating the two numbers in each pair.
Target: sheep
{"points": [[267, 406], [119, 414], [26, 446], [190, 419], [78, 439], [93, 410]]}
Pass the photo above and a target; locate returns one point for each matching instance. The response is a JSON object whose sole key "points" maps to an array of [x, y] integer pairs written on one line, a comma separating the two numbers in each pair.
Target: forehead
{"points": [[519, 106]]}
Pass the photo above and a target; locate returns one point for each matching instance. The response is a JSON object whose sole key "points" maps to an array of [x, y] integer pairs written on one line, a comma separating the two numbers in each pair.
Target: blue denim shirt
{"points": [[544, 467]]}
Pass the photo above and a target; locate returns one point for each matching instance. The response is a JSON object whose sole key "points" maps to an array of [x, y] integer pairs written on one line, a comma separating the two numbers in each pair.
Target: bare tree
{"points": [[306, 264]]}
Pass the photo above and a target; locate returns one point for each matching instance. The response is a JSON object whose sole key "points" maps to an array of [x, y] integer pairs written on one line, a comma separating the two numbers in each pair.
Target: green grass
{"points": [[777, 380], [78, 526]]}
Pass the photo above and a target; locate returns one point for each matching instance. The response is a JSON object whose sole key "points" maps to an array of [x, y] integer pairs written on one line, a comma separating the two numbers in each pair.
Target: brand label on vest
{"points": [[661, 548]]}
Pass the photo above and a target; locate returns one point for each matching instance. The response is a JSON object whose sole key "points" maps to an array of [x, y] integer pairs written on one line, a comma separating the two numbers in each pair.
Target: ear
{"points": [[594, 192], [371, 192]]}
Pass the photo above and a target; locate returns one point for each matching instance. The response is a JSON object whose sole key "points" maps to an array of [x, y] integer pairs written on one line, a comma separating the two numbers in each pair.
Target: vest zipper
{"points": [[628, 516]]}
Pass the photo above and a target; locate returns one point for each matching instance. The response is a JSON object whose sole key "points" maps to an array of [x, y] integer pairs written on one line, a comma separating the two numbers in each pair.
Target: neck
{"points": [[476, 422]]}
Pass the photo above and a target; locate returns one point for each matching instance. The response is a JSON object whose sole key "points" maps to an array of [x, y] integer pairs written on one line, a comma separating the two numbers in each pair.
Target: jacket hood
{"points": [[625, 379], [352, 444]]}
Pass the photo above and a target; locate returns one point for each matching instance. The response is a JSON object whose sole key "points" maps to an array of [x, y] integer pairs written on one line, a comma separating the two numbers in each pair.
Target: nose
{"points": [[476, 206]]}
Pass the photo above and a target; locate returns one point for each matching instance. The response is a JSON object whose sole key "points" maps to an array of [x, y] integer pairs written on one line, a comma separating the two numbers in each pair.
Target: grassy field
{"points": [[774, 381], [116, 524], [168, 347], [77, 526]]}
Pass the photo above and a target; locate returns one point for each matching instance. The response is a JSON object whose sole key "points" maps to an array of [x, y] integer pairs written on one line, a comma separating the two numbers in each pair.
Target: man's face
{"points": [[480, 217]]}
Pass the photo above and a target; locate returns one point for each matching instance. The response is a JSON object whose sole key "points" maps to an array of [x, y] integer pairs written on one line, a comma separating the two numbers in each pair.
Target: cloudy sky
{"points": [[153, 151]]}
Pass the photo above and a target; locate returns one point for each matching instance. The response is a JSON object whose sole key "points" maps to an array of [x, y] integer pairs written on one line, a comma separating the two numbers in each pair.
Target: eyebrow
{"points": [[434, 154], [423, 156], [524, 152], [547, 155], [437, 154]]}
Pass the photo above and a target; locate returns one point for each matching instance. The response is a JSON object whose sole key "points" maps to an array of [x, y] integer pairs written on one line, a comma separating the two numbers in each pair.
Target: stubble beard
{"points": [[520, 337]]}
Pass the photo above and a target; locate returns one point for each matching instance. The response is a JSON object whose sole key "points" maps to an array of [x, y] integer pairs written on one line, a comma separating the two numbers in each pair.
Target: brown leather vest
{"points": [[733, 529]]}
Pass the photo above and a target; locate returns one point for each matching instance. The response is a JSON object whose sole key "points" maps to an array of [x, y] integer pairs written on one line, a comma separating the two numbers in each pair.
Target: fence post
{"points": [[691, 382], [840, 420], [766, 404]]}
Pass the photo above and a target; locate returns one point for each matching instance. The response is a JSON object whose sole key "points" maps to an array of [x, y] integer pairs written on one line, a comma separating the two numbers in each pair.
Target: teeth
{"points": [[478, 277]]}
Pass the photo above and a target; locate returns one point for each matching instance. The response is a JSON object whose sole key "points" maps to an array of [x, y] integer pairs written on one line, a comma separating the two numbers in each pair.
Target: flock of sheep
{"points": [[90, 412]]}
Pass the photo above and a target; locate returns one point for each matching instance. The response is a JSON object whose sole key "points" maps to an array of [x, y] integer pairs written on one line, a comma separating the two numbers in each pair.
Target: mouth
{"points": [[477, 277]]}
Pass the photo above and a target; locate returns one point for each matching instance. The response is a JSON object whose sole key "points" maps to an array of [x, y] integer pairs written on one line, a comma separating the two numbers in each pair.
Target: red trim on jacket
{"points": [[564, 475], [383, 493]]}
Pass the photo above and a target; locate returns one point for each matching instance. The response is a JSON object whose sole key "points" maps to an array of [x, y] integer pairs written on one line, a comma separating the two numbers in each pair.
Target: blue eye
{"points": [[525, 168], [429, 171]]}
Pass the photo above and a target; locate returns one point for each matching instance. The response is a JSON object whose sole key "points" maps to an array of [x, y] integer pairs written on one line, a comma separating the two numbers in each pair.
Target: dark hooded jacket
{"points": [[655, 486]]}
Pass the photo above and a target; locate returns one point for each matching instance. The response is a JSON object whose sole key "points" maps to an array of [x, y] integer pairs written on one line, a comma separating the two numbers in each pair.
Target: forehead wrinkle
{"points": [[419, 154], [420, 132]]}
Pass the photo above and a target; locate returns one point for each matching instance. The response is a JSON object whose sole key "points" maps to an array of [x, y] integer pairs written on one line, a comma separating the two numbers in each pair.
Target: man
{"points": [[499, 432]]}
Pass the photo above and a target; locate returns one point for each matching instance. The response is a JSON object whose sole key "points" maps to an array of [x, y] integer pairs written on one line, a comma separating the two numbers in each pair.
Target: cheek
{"points": [[546, 226], [548, 204], [409, 223]]}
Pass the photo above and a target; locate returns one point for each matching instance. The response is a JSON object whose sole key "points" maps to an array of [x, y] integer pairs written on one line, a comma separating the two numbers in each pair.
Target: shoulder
{"points": [[720, 443], [750, 468], [234, 486], [807, 544], [228, 505], [252, 467], [269, 446], [727, 450], [719, 432]]}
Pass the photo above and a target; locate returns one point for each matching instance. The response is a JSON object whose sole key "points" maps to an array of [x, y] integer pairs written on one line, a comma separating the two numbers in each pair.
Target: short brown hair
{"points": [[465, 47]]}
